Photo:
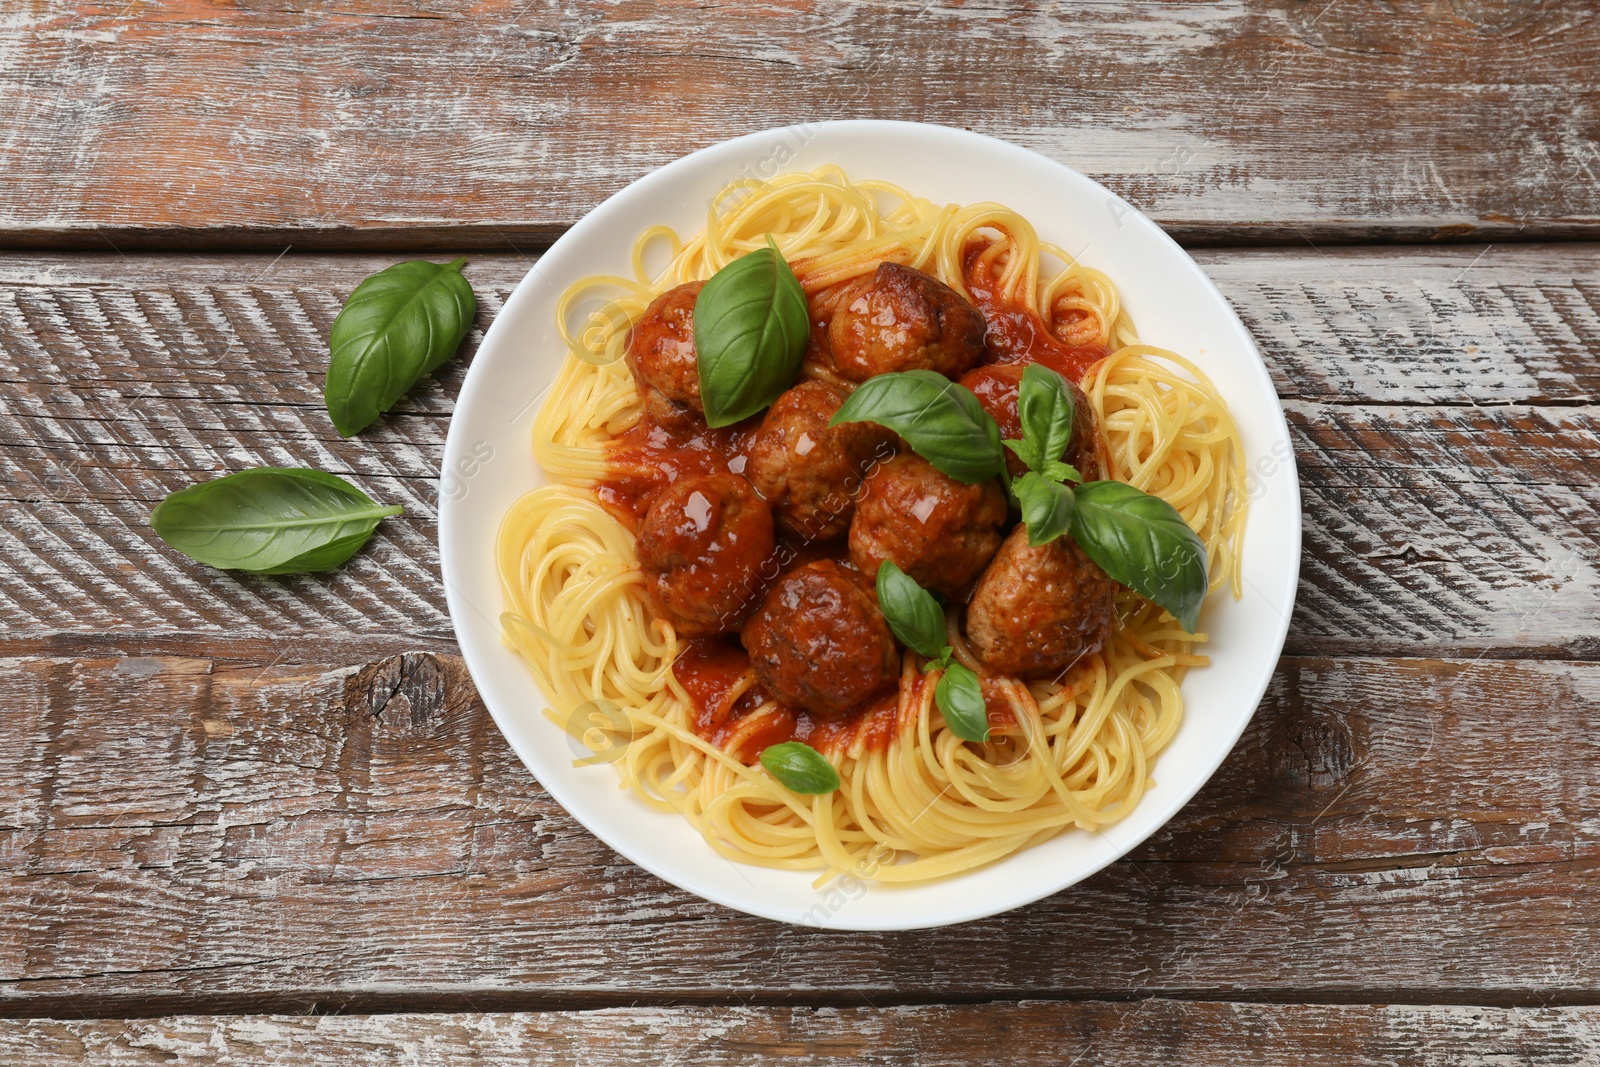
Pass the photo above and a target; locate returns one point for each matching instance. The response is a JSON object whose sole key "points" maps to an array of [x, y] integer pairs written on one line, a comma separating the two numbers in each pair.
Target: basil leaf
{"points": [[270, 520], [960, 700], [1027, 450], [399, 325], [801, 768], [750, 330], [941, 421], [1142, 542], [1046, 410], [1047, 507], [911, 611]]}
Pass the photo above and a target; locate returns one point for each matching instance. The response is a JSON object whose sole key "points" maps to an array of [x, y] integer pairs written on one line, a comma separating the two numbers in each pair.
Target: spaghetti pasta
{"points": [[1079, 748]]}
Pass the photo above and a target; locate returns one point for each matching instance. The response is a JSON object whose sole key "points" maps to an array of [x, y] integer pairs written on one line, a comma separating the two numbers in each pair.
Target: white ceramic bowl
{"points": [[488, 465]]}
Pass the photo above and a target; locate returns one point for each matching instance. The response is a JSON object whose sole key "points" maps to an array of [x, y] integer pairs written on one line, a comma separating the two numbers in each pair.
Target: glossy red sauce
{"points": [[648, 457], [1002, 720], [710, 668], [1016, 334]]}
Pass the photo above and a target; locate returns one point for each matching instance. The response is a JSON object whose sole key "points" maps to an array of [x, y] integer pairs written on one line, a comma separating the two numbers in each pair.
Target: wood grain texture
{"points": [[1440, 403], [496, 123], [266, 835], [1158, 1033]]}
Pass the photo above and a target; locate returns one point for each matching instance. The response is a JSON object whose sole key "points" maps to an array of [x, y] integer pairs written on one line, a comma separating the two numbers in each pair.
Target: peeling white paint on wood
{"points": [[1439, 400], [505, 122], [268, 827], [1160, 1033]]}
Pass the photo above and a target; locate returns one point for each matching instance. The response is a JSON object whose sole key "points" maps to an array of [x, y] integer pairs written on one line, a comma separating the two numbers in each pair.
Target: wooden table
{"points": [[248, 819]]}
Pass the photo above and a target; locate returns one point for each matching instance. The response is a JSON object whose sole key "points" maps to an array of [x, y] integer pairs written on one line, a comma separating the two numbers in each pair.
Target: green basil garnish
{"points": [[270, 520], [941, 421], [1047, 507], [918, 621], [399, 325], [801, 768], [911, 611], [1046, 411], [1141, 541], [750, 330], [960, 700]]}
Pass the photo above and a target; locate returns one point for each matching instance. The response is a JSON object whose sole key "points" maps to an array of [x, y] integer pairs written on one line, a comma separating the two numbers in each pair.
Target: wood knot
{"points": [[1494, 18], [1311, 746], [411, 691]]}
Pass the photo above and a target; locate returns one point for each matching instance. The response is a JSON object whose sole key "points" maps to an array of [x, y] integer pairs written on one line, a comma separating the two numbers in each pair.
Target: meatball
{"points": [[938, 530], [996, 387], [819, 642], [810, 472], [661, 351], [1039, 609], [901, 319], [703, 546]]}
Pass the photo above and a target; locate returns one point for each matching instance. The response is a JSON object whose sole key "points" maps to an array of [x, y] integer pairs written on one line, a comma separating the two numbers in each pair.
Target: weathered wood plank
{"points": [[498, 123], [1085, 1034], [1482, 324], [1432, 527], [231, 835]]}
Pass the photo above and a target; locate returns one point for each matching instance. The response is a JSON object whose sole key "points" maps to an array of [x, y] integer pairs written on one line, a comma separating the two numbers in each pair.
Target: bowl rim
{"points": [[454, 540]]}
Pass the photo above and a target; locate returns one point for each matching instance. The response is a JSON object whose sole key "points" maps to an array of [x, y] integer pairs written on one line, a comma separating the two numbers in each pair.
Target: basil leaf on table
{"points": [[270, 520], [801, 768], [1047, 507], [750, 331], [911, 611], [1141, 541], [941, 421], [960, 700], [399, 325]]}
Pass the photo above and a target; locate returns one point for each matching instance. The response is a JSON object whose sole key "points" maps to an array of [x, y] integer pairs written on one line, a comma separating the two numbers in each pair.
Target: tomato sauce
{"points": [[1015, 334], [1002, 720], [648, 457], [710, 669]]}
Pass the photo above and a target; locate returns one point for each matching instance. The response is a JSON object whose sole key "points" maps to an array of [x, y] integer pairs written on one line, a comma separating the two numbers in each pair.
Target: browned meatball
{"points": [[996, 387], [703, 546], [661, 350], [818, 640], [938, 530], [901, 319], [1039, 609], [810, 472]]}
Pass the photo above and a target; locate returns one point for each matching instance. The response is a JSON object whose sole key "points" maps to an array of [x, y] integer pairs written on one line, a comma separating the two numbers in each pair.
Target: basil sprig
{"points": [[1046, 411], [801, 768], [918, 621], [399, 325], [270, 520], [1047, 507], [1142, 542], [750, 331], [941, 421], [1138, 539]]}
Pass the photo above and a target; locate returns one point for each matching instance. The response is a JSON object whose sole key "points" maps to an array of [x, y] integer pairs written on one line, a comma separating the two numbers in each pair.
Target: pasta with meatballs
{"points": [[952, 569]]}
